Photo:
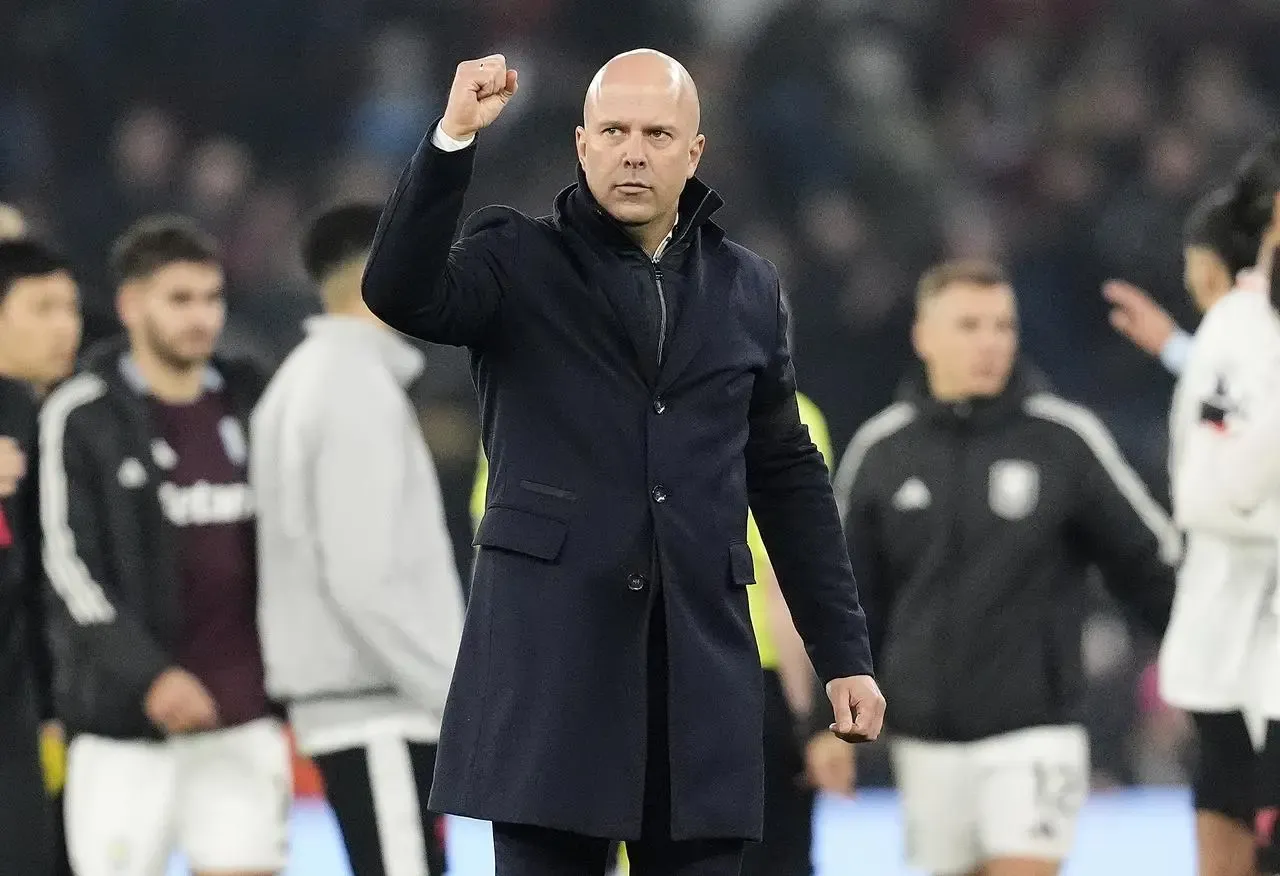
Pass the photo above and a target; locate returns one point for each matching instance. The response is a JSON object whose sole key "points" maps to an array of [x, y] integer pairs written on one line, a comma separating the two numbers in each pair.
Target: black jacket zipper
{"points": [[662, 303]]}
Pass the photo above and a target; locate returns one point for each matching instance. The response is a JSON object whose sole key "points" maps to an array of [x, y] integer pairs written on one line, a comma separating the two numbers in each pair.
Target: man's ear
{"points": [[919, 339], [128, 298], [695, 154]]}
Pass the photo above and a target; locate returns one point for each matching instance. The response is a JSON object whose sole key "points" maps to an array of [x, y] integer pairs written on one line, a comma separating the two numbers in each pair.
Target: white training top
{"points": [[1221, 651]]}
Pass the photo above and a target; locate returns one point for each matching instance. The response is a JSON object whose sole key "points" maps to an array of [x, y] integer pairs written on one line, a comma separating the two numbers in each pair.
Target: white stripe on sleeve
{"points": [[1099, 440], [873, 431], [85, 600]]}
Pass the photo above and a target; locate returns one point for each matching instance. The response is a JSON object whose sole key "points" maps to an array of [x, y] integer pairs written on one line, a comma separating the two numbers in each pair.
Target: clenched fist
{"points": [[480, 90], [858, 707], [178, 703]]}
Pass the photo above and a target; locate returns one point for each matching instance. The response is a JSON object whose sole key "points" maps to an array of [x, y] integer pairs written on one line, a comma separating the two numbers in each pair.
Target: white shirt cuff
{"points": [[1175, 352], [445, 143]]}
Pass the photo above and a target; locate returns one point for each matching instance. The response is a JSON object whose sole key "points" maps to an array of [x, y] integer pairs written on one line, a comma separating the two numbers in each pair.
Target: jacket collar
{"points": [[403, 360], [1024, 381], [578, 207]]}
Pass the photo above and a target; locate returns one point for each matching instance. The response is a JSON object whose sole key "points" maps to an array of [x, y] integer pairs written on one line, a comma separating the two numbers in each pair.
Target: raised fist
{"points": [[480, 90]]}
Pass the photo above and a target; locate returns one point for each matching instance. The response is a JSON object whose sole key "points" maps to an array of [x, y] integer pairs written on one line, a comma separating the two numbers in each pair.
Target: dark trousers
{"points": [[26, 813], [785, 849], [61, 857], [378, 794], [524, 850]]}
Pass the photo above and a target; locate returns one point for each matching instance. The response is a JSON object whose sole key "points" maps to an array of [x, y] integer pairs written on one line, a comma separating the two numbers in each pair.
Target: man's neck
{"points": [[171, 385], [651, 237], [10, 371]]}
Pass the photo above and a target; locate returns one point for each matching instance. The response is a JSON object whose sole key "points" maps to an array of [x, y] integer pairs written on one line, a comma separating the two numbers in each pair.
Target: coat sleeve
{"points": [[1123, 529], [417, 279], [855, 499], [789, 490], [71, 503]]}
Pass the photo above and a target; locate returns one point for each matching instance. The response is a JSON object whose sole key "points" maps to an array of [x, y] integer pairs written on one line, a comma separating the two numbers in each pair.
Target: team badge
{"points": [[1217, 406], [1013, 488]]}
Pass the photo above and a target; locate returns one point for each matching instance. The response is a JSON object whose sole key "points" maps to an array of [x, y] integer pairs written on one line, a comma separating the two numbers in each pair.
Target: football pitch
{"points": [[1121, 833]]}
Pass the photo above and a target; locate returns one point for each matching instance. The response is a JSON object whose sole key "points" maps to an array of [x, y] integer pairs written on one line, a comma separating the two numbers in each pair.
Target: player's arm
{"points": [[411, 627], [1247, 470], [1226, 482], [1149, 326], [790, 494], [852, 484], [417, 280], [1123, 529], [71, 519]]}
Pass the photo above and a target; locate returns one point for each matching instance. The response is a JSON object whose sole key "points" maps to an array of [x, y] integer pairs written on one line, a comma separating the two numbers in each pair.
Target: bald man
{"points": [[636, 392]]}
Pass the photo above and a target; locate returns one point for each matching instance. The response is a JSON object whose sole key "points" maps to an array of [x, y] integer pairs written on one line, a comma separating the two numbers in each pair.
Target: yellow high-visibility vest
{"points": [[757, 598]]}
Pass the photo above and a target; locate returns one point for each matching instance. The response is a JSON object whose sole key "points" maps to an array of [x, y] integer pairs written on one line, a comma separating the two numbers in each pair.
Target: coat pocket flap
{"points": [[524, 532], [742, 566]]}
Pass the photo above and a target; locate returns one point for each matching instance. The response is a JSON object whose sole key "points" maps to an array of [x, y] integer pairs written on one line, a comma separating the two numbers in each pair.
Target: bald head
{"points": [[639, 142], [645, 70]]}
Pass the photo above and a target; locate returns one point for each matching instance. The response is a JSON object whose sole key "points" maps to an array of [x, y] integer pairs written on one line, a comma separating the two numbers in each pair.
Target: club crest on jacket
{"points": [[1013, 488]]}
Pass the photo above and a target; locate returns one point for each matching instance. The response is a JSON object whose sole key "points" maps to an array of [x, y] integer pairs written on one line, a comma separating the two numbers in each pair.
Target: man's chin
{"points": [[631, 215]]}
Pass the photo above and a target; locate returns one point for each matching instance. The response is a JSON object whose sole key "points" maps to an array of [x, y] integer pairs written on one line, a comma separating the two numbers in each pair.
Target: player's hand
{"points": [[481, 88], [13, 466], [1136, 316], [178, 703], [858, 707], [829, 765]]}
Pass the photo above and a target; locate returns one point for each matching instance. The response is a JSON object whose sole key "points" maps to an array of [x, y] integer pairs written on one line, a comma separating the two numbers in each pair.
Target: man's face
{"points": [[40, 328], [1205, 275], [967, 336], [176, 313], [638, 146]]}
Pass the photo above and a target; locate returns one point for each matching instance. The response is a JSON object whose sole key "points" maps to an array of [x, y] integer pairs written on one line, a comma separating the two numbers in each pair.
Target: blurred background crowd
{"points": [[855, 142]]}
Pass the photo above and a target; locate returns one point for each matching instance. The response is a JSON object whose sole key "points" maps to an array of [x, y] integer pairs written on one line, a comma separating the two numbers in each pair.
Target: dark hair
{"points": [[338, 235], [23, 258], [979, 272], [158, 241], [1211, 225], [1254, 187]]}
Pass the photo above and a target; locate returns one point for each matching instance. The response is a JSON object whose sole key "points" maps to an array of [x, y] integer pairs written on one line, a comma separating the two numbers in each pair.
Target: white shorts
{"points": [[1016, 795], [222, 798]]}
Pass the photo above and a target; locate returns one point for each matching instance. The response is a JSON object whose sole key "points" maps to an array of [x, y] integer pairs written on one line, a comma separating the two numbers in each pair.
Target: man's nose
{"points": [[634, 156]]}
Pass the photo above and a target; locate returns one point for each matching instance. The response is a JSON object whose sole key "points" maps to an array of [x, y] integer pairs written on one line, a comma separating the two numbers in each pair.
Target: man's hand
{"points": [[829, 765], [178, 703], [480, 90], [1136, 316], [858, 707], [13, 466]]}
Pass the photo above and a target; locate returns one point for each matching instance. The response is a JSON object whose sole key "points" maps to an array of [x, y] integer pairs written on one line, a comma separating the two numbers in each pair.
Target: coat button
{"points": [[659, 406], [659, 494], [636, 582]]}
